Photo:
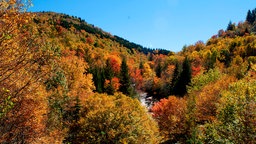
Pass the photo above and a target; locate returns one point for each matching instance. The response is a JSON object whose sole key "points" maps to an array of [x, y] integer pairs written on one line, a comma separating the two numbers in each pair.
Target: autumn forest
{"points": [[63, 80]]}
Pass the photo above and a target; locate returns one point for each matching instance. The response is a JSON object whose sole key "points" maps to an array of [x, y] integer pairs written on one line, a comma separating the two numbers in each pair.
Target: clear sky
{"points": [[168, 24]]}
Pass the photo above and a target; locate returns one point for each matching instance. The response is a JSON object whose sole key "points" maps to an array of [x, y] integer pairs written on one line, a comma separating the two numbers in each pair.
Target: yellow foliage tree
{"points": [[23, 70], [75, 68], [115, 119]]}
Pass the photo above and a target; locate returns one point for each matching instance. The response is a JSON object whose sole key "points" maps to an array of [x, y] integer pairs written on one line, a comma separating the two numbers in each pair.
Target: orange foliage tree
{"points": [[171, 117], [23, 69], [137, 78], [207, 99], [115, 63]]}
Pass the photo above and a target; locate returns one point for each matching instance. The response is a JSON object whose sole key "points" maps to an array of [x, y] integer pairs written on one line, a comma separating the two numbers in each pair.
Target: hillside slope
{"points": [[65, 81], [98, 48]]}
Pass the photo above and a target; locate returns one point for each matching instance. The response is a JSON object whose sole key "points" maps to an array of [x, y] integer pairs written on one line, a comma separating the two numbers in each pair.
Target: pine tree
{"points": [[98, 79], [158, 70], [125, 82], [185, 77], [73, 122], [109, 89], [109, 72], [150, 58], [249, 17], [175, 78], [231, 26], [181, 78], [141, 67], [253, 15]]}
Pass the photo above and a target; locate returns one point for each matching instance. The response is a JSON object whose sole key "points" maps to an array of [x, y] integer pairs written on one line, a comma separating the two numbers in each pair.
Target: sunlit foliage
{"points": [[170, 115], [115, 119], [236, 116], [53, 67]]}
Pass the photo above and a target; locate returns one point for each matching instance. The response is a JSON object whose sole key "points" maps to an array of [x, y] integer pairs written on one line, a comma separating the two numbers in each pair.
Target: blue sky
{"points": [[168, 24]]}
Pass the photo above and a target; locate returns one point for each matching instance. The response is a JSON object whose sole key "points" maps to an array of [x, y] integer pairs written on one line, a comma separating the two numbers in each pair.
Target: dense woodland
{"points": [[63, 80]]}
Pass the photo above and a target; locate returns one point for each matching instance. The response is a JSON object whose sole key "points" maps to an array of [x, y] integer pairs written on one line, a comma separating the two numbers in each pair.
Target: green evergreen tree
{"points": [[125, 81], [110, 89], [109, 72], [158, 70], [246, 31], [249, 17], [231, 26], [73, 122], [141, 67], [98, 79], [175, 78], [150, 58], [253, 15], [185, 77], [182, 80]]}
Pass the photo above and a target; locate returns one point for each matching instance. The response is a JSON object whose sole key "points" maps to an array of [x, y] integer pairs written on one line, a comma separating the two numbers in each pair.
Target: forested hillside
{"points": [[63, 80]]}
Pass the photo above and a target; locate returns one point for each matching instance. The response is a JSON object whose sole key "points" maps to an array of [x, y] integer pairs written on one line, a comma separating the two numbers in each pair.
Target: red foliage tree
{"points": [[171, 117]]}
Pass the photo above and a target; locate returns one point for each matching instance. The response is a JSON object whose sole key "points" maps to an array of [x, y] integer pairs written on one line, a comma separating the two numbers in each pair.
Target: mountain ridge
{"points": [[81, 24]]}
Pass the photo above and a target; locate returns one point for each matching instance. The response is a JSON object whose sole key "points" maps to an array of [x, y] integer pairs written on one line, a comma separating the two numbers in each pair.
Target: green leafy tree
{"points": [[225, 57], [210, 60], [250, 50], [236, 115]]}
